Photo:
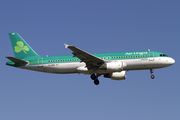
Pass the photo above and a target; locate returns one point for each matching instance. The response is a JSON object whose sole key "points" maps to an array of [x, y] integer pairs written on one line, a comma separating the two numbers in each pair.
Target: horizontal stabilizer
{"points": [[17, 61]]}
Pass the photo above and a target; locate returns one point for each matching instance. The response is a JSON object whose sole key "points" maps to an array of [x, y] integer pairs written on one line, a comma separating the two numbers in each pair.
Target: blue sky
{"points": [[96, 26]]}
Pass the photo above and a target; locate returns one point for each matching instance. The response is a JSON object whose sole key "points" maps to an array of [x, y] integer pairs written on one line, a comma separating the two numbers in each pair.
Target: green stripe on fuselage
{"points": [[105, 56]]}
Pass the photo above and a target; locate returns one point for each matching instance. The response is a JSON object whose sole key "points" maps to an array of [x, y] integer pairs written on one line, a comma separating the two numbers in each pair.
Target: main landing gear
{"points": [[95, 78], [152, 76]]}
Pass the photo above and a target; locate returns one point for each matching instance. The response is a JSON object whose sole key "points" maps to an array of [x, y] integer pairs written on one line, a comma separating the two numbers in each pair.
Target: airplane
{"points": [[110, 65]]}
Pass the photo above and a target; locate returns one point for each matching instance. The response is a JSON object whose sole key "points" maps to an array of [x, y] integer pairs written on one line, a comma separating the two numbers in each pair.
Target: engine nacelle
{"points": [[116, 75], [112, 66]]}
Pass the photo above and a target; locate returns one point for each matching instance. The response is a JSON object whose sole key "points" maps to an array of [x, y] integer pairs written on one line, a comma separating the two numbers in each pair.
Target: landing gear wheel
{"points": [[93, 76], [96, 82], [152, 76]]}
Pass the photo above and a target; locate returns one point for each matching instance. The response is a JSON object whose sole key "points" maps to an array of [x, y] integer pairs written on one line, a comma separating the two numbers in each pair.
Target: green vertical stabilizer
{"points": [[20, 47]]}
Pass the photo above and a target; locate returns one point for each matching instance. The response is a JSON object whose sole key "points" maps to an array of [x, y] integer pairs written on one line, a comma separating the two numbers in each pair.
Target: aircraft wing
{"points": [[90, 60]]}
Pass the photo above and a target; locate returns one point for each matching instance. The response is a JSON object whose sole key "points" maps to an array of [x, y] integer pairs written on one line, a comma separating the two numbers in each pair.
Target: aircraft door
{"points": [[40, 62], [151, 56]]}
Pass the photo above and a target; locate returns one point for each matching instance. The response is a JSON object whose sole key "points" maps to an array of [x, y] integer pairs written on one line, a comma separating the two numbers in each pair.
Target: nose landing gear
{"points": [[152, 76], [95, 78]]}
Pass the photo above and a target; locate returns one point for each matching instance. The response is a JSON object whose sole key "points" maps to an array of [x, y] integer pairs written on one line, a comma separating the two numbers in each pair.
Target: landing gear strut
{"points": [[152, 76], [95, 78]]}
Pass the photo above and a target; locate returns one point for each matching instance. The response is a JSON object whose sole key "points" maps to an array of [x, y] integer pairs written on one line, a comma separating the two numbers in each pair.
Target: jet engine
{"points": [[116, 75], [113, 66]]}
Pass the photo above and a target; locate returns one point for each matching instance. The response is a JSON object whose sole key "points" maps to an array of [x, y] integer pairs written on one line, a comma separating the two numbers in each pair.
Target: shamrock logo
{"points": [[20, 46]]}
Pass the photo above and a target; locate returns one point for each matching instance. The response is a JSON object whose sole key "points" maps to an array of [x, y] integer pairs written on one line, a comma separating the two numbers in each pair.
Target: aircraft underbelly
{"points": [[63, 68], [145, 63], [139, 64], [60, 68]]}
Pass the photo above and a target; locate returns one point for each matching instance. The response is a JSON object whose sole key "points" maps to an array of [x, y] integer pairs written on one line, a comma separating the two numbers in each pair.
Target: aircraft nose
{"points": [[171, 61]]}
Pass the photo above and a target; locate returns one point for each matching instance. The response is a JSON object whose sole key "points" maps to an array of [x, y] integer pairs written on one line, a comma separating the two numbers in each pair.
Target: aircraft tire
{"points": [[152, 76], [93, 77], [96, 82]]}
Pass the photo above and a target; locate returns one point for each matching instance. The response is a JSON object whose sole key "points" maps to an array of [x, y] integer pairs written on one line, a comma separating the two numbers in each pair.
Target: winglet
{"points": [[66, 46]]}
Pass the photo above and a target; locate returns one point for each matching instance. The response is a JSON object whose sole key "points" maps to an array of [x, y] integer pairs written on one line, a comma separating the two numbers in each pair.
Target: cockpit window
{"points": [[163, 55]]}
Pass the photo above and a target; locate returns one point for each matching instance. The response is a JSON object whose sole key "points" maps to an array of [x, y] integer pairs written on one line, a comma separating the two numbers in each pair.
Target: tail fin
{"points": [[20, 47]]}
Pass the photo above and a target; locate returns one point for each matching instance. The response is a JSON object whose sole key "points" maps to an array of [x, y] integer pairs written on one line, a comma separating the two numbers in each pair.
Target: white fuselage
{"points": [[79, 67]]}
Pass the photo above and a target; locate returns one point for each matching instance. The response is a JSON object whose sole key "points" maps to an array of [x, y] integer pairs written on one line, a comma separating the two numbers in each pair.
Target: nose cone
{"points": [[171, 61]]}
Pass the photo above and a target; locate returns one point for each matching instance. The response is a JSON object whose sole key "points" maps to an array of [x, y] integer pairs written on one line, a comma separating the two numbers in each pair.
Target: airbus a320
{"points": [[110, 65]]}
